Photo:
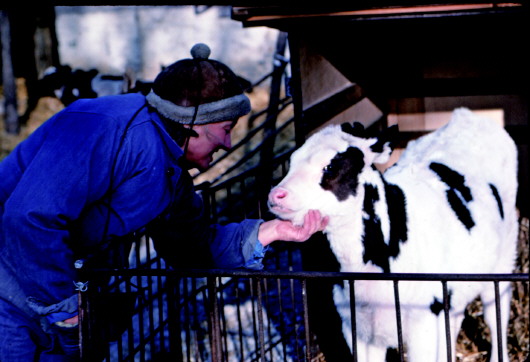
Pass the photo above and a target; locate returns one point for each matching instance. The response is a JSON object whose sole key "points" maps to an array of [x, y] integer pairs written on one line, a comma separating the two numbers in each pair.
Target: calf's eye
{"points": [[329, 170]]}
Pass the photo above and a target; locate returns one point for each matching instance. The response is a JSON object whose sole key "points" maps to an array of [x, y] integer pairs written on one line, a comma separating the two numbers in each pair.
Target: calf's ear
{"points": [[385, 144], [386, 138], [357, 129], [384, 155]]}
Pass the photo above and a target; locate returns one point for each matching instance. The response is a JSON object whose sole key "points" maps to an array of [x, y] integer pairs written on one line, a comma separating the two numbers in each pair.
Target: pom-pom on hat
{"points": [[198, 91]]}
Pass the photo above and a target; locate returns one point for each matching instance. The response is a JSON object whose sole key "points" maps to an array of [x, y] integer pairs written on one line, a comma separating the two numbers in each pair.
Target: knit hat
{"points": [[198, 91]]}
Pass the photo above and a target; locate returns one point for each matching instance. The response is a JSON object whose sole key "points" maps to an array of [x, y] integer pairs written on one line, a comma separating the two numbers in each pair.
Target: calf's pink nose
{"points": [[277, 194]]}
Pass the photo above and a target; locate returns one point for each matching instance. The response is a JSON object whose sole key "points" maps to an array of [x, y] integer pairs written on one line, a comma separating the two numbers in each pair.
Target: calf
{"points": [[447, 206]]}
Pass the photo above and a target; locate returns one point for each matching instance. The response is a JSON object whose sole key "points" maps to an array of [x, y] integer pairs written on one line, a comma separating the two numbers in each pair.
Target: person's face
{"points": [[212, 138]]}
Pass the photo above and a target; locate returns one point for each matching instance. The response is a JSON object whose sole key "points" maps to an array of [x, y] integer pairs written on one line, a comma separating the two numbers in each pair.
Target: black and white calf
{"points": [[447, 206]]}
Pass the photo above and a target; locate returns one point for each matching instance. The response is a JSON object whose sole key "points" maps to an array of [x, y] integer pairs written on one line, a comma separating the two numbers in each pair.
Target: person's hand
{"points": [[70, 322], [285, 230]]}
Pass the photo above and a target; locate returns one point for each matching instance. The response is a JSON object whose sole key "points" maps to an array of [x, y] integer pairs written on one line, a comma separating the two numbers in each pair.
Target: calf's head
{"points": [[325, 173]]}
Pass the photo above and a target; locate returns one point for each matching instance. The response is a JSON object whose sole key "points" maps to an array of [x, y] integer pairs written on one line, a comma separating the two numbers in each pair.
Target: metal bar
{"points": [[197, 273], [130, 328], [261, 331], [83, 324], [282, 322], [251, 283], [218, 349], [269, 321], [173, 318], [306, 321], [214, 318], [353, 318], [398, 321], [447, 324], [186, 312], [293, 304], [160, 282], [498, 321], [222, 324], [141, 311], [239, 324]]}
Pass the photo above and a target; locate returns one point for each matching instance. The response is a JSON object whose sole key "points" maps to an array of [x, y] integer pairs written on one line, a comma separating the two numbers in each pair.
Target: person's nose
{"points": [[227, 143]]}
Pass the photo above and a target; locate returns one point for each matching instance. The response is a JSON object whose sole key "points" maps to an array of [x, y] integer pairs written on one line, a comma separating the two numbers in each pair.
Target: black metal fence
{"points": [[151, 313], [222, 315]]}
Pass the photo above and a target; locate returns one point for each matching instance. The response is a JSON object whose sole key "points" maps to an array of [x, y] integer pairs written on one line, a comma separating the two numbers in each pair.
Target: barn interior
{"points": [[384, 62], [407, 63]]}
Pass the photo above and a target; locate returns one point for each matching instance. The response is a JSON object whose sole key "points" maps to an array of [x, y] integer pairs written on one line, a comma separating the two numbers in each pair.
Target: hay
{"points": [[473, 344]]}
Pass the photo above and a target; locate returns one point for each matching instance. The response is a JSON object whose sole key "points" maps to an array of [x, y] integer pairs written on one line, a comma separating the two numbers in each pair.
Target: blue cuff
{"points": [[59, 316], [259, 253]]}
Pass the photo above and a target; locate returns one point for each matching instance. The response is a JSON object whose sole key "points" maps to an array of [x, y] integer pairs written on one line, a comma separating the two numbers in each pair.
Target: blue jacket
{"points": [[97, 171]]}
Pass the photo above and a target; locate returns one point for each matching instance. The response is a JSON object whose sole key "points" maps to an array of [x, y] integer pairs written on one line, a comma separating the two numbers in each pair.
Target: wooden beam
{"points": [[318, 114]]}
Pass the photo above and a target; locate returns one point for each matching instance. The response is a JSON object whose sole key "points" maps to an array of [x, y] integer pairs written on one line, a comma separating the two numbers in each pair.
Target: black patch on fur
{"points": [[458, 194], [397, 214], [388, 135], [356, 129], [437, 306], [341, 176], [375, 248], [392, 355], [495, 193]]}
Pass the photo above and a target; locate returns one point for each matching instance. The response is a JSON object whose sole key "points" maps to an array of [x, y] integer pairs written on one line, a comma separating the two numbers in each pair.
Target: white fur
{"points": [[437, 241]]}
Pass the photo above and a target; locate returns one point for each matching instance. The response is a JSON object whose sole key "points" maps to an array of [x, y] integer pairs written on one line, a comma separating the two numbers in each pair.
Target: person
{"points": [[103, 170]]}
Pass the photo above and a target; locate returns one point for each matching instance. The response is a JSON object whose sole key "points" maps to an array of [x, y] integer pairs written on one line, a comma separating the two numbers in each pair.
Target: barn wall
{"points": [[321, 80], [143, 39]]}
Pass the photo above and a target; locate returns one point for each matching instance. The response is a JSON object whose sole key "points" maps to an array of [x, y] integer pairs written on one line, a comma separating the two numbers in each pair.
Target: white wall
{"points": [[145, 38]]}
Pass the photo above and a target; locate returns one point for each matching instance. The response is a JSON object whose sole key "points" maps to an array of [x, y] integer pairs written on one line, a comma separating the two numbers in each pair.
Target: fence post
{"points": [[353, 319], [398, 321], [83, 325], [447, 324], [261, 330], [498, 321], [306, 321], [217, 353]]}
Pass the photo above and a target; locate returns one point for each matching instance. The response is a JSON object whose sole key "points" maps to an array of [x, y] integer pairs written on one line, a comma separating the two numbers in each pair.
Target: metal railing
{"points": [[149, 312], [228, 315]]}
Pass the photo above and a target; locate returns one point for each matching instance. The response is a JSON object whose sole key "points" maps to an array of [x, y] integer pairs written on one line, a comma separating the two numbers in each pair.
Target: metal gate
{"points": [[150, 313], [154, 314]]}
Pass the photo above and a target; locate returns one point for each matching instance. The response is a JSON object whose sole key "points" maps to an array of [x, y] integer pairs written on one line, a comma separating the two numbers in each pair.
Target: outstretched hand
{"points": [[285, 230]]}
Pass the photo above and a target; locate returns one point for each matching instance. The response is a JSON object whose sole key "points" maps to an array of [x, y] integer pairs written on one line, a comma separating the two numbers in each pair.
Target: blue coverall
{"points": [[95, 172]]}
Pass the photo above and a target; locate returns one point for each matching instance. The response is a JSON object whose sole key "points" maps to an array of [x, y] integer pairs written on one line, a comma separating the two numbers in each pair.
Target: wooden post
{"points": [[8, 77]]}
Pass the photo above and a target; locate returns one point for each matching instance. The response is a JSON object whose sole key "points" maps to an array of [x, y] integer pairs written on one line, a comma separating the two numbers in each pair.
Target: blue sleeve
{"points": [[186, 238], [236, 245]]}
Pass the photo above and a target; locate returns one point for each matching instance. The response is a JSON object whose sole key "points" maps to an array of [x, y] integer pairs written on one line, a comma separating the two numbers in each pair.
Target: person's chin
{"points": [[203, 165]]}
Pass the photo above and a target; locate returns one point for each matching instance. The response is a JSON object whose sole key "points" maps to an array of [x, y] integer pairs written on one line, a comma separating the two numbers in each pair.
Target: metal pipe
{"points": [[447, 324], [198, 273], [498, 320], [398, 321], [353, 319]]}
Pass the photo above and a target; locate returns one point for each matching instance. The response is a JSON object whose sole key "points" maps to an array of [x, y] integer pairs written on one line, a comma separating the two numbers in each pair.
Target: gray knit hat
{"points": [[198, 91]]}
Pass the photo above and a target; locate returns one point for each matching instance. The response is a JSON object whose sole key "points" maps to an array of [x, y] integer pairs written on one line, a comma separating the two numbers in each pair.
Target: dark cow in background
{"points": [[69, 85], [447, 206]]}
